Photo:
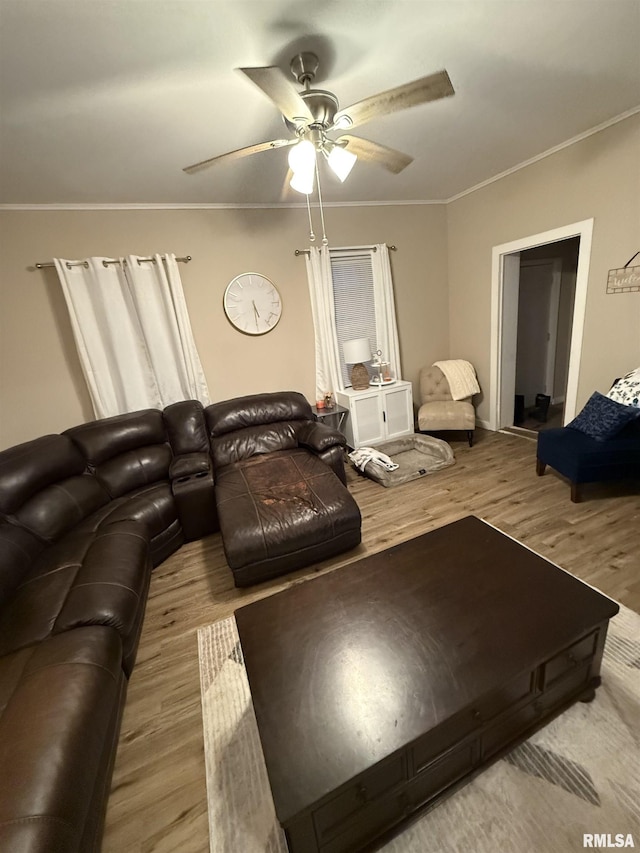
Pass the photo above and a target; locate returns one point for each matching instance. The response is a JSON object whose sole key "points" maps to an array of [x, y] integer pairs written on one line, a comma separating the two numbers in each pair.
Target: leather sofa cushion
{"points": [[101, 440], [152, 506], [272, 506], [256, 409], [60, 706], [244, 443], [134, 468], [186, 427], [58, 508], [28, 468], [189, 464], [18, 549], [99, 578]]}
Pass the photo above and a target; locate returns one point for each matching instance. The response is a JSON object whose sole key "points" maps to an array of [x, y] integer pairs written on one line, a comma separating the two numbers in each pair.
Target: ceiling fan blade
{"points": [[240, 152], [284, 95], [373, 152], [430, 88]]}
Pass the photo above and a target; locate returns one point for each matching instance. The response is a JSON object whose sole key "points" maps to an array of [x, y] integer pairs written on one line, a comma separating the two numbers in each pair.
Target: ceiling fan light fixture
{"points": [[302, 162], [302, 181], [302, 157], [341, 161]]}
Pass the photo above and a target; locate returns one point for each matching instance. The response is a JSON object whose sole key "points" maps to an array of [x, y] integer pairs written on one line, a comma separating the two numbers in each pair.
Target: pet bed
{"points": [[415, 455]]}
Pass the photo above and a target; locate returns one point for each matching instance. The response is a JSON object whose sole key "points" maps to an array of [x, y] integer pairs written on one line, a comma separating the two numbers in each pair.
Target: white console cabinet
{"points": [[377, 414]]}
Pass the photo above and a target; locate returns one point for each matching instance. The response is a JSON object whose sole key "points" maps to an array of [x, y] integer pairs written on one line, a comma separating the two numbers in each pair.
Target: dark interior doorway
{"points": [[546, 298]]}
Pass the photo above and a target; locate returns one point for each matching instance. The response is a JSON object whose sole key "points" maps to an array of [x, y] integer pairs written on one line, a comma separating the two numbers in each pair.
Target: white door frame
{"points": [[501, 397]]}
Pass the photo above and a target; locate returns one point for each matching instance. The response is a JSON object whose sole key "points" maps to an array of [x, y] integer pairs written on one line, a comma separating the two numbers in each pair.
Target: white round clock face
{"points": [[252, 303]]}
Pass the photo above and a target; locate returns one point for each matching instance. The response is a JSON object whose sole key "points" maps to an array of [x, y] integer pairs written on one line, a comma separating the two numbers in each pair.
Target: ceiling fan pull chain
{"points": [[325, 242], [312, 236]]}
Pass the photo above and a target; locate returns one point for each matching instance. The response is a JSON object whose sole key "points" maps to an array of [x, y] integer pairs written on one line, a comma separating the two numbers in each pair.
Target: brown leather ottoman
{"points": [[281, 511]]}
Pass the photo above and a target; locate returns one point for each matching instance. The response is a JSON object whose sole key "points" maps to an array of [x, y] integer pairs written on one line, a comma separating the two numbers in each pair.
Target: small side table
{"points": [[335, 415]]}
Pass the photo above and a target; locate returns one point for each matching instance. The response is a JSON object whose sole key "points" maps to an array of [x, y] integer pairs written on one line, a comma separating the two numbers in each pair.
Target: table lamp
{"points": [[356, 352]]}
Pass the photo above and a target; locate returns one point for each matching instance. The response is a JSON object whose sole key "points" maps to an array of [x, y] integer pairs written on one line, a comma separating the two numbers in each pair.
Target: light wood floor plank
{"points": [[158, 801]]}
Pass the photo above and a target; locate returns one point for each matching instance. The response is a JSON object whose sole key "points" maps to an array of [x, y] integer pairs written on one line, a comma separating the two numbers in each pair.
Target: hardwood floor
{"points": [[158, 800]]}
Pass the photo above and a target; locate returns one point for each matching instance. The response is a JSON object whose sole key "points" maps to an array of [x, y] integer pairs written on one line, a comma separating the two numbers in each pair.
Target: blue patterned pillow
{"points": [[602, 418]]}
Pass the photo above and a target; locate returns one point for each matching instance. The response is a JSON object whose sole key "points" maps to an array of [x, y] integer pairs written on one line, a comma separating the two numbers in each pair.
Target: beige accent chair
{"points": [[438, 410]]}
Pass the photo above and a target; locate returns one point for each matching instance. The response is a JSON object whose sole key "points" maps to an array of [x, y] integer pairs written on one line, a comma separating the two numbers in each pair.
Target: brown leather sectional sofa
{"points": [[84, 517]]}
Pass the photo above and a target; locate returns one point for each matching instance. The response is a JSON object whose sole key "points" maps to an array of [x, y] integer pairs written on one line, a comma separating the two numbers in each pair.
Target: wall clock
{"points": [[252, 303]]}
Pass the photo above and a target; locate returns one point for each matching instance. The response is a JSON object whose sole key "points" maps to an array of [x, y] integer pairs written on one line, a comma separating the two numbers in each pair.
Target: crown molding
{"points": [[567, 144], [212, 206]]}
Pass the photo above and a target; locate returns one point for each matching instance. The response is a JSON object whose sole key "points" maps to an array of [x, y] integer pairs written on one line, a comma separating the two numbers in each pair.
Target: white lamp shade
{"points": [[302, 156], [356, 350], [302, 161], [302, 181], [341, 161]]}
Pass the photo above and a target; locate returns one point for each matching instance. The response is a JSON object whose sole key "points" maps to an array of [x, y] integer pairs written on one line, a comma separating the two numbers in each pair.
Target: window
{"points": [[360, 303], [351, 295]]}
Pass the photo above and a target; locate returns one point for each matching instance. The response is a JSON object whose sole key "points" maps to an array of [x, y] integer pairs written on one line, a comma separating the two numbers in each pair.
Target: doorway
{"points": [[559, 374], [546, 297]]}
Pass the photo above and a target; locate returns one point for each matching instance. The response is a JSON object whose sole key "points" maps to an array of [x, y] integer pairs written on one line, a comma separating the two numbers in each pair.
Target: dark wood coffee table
{"points": [[379, 686]]}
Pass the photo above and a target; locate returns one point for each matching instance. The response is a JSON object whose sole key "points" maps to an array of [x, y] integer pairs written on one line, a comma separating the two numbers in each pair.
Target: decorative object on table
{"points": [[382, 370], [328, 400], [356, 352], [413, 456], [252, 303], [320, 404], [624, 280]]}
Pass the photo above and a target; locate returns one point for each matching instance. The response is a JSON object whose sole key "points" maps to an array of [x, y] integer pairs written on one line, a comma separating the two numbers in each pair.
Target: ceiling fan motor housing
{"points": [[322, 105], [304, 67]]}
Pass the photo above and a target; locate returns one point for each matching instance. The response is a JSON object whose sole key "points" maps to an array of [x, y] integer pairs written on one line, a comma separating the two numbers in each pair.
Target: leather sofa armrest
{"points": [[318, 437], [187, 464]]}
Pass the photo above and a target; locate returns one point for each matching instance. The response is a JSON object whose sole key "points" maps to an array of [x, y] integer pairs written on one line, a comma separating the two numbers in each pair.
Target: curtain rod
{"points": [[343, 248], [70, 264]]}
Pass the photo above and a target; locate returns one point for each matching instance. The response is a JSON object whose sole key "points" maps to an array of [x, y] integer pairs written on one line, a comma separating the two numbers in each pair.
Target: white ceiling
{"points": [[104, 101]]}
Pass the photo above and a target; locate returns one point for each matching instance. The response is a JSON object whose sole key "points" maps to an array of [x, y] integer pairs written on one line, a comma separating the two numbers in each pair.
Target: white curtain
{"points": [[133, 334], [328, 373], [328, 367], [385, 308]]}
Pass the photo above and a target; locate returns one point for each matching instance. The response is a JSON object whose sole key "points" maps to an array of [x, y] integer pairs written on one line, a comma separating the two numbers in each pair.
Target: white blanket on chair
{"points": [[461, 377]]}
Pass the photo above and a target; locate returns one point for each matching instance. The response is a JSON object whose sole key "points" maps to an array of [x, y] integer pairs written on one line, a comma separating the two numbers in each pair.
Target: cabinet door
{"points": [[398, 406], [366, 420]]}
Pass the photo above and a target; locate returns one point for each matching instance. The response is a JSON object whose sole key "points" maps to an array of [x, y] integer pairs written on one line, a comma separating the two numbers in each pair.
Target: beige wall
{"points": [[41, 385], [598, 177], [442, 275]]}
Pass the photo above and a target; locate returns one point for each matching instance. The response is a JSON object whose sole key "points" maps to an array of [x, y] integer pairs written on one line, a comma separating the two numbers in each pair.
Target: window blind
{"points": [[354, 302]]}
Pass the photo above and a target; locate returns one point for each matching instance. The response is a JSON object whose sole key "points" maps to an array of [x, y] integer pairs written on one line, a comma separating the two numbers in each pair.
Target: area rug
{"points": [[578, 776]]}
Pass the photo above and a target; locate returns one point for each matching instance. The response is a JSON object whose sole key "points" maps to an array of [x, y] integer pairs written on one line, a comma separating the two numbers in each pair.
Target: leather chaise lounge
{"points": [[84, 517], [280, 492]]}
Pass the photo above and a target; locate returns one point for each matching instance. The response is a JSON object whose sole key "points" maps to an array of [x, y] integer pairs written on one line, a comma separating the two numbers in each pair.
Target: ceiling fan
{"points": [[311, 115]]}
